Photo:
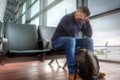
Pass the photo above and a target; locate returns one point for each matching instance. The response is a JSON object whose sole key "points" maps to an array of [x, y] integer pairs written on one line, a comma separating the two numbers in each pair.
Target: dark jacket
{"points": [[70, 28]]}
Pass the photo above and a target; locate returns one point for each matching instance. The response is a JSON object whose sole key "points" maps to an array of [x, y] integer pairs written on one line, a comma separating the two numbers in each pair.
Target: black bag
{"points": [[87, 65]]}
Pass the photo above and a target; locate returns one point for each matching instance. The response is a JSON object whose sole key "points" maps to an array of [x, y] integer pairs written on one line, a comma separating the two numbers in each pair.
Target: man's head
{"points": [[82, 13]]}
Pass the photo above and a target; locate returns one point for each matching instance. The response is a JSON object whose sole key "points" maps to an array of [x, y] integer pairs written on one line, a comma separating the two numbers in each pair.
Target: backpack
{"points": [[87, 65]]}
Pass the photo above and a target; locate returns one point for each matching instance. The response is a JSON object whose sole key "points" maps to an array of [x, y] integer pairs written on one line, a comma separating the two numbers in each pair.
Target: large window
{"points": [[106, 37], [106, 29], [57, 12]]}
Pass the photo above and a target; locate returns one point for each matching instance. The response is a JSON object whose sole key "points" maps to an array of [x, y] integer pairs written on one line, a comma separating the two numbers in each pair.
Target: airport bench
{"points": [[22, 39], [46, 34]]}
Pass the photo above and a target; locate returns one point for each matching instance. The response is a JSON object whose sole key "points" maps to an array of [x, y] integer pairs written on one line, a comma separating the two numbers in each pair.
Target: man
{"points": [[67, 33]]}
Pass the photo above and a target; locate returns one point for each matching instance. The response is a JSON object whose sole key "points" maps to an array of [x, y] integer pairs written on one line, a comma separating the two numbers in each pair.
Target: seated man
{"points": [[67, 33]]}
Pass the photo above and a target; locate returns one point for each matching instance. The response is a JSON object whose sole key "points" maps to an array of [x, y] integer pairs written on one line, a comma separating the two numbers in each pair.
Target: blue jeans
{"points": [[68, 44]]}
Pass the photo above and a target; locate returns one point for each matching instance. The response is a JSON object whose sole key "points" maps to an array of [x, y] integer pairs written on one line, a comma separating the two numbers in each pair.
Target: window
{"points": [[57, 12], [106, 29], [100, 6], [107, 33], [35, 8]]}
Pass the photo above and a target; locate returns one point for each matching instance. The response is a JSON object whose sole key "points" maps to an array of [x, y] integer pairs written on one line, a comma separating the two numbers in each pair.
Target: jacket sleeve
{"points": [[67, 26], [87, 29]]}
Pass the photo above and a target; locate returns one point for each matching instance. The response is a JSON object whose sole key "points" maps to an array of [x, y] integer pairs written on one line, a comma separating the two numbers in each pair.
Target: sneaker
{"points": [[71, 77], [102, 74]]}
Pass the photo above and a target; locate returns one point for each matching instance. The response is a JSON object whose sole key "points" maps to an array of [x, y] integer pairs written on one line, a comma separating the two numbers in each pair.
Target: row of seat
{"points": [[26, 39]]}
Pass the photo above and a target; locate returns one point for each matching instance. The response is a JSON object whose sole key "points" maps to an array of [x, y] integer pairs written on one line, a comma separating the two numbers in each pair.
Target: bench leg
{"points": [[64, 65], [42, 58], [51, 61], [2, 60], [58, 63]]}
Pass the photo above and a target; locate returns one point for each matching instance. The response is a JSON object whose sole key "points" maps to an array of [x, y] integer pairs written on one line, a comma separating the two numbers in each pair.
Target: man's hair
{"points": [[84, 10]]}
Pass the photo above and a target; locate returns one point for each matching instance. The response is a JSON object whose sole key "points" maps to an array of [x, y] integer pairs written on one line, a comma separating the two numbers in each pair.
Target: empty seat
{"points": [[22, 38]]}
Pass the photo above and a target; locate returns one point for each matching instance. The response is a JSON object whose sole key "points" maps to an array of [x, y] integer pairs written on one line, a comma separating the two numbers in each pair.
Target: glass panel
{"points": [[20, 12], [106, 29], [49, 1], [35, 21], [24, 8], [32, 1], [35, 8], [57, 12], [107, 36], [23, 19], [100, 6]]}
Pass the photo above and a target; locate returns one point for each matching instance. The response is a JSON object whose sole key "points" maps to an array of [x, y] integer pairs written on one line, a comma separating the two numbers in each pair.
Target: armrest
{"points": [[44, 40], [4, 43], [4, 40], [47, 42]]}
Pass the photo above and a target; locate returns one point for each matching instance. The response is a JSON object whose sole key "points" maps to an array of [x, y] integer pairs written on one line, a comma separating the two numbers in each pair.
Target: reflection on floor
{"points": [[35, 70]]}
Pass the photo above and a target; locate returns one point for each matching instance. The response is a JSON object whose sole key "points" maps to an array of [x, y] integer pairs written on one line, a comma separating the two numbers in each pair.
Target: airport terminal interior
{"points": [[20, 58]]}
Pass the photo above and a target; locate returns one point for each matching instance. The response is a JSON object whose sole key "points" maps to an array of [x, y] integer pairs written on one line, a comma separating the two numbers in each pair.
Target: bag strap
{"points": [[76, 71]]}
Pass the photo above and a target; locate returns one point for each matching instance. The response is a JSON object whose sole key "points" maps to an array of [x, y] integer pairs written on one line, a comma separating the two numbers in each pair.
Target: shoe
{"points": [[71, 77], [102, 74]]}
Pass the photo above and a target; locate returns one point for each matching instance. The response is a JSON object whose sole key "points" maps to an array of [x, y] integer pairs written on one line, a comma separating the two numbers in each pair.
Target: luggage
{"points": [[87, 65]]}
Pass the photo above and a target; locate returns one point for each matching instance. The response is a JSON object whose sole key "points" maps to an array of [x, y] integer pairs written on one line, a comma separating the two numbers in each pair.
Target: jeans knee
{"points": [[71, 41], [89, 40]]}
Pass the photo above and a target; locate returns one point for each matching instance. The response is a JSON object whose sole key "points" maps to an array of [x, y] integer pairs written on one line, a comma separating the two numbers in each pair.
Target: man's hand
{"points": [[86, 19]]}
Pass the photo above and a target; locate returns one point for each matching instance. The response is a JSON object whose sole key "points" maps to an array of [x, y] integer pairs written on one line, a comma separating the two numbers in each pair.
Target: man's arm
{"points": [[87, 29], [67, 26]]}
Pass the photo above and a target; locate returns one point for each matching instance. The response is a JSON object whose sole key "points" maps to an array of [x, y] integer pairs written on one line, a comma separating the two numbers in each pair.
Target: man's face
{"points": [[80, 15]]}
